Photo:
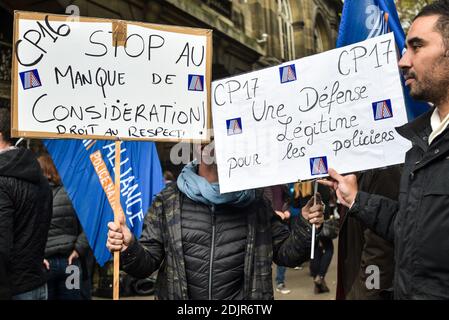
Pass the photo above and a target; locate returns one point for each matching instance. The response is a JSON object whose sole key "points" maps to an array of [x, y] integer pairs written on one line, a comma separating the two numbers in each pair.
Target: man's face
{"points": [[424, 65], [206, 153], [3, 144]]}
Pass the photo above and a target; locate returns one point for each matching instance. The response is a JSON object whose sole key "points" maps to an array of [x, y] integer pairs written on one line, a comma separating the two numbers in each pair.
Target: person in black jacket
{"points": [[418, 222], [66, 244], [212, 246], [279, 199], [359, 248], [25, 213], [324, 248]]}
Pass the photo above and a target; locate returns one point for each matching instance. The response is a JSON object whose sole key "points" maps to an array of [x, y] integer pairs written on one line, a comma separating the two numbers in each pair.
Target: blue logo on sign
{"points": [[318, 166], [234, 126], [287, 73], [30, 79], [196, 82], [382, 110]]}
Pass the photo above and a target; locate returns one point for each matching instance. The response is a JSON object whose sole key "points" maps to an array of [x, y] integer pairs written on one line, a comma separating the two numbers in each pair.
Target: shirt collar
{"points": [[437, 125]]}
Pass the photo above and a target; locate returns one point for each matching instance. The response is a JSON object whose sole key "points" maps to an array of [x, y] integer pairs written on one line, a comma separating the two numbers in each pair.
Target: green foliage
{"points": [[408, 9]]}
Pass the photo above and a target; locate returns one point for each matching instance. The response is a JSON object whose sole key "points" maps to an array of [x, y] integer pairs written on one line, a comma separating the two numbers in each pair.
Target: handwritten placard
{"points": [[107, 79], [292, 122]]}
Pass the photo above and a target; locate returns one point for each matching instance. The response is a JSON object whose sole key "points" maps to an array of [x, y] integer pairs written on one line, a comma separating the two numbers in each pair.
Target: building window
{"points": [[5, 72], [238, 19], [320, 35], [318, 41], [5, 61], [286, 30], [223, 7]]}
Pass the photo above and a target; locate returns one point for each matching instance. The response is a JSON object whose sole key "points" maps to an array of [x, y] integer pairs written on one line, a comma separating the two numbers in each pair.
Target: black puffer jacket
{"points": [[162, 247], [419, 222], [65, 234], [25, 213], [214, 250]]}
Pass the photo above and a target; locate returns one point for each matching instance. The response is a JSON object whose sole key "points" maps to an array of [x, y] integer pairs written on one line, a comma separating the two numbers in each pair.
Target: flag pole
{"points": [[116, 277], [312, 247]]}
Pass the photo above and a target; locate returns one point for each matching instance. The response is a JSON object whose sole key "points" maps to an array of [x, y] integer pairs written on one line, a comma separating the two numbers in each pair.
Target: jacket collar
{"points": [[418, 130]]}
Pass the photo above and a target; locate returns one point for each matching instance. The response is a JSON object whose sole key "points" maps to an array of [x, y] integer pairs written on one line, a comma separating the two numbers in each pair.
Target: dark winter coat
{"points": [[359, 247], [65, 234], [25, 213], [163, 244], [418, 223]]}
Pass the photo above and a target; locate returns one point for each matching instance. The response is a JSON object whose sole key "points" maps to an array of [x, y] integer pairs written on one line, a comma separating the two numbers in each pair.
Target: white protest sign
{"points": [[335, 109], [106, 79]]}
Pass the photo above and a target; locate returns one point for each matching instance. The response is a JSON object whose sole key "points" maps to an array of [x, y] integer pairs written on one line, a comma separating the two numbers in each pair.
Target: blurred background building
{"points": [[248, 34]]}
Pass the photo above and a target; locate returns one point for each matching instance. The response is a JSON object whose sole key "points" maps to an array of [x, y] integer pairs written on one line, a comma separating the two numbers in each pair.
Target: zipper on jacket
{"points": [[212, 249]]}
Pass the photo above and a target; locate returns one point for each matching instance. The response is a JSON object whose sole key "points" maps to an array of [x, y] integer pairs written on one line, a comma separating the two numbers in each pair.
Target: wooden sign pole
{"points": [[117, 218]]}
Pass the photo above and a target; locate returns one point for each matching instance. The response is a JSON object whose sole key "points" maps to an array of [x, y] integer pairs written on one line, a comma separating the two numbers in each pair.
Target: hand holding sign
{"points": [[313, 211], [294, 121], [93, 78], [344, 186], [119, 236]]}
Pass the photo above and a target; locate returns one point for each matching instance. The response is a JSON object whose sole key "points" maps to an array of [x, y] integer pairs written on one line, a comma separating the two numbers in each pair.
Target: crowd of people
{"points": [[208, 245]]}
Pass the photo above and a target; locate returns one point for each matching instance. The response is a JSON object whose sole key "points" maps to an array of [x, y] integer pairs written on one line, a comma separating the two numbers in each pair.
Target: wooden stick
{"points": [[116, 279], [312, 248]]}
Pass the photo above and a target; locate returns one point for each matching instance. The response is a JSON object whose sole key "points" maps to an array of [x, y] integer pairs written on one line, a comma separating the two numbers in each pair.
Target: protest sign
{"points": [[292, 122], [92, 78], [107, 79]]}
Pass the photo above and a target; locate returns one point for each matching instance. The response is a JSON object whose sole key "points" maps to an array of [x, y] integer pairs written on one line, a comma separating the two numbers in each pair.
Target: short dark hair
{"points": [[5, 125], [438, 8], [49, 169], [168, 176]]}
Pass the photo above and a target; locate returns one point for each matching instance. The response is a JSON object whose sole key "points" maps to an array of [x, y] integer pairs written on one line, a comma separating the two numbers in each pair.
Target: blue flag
{"points": [[364, 19], [86, 168]]}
